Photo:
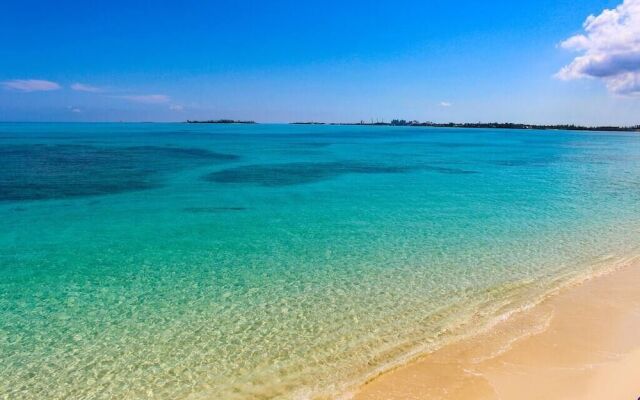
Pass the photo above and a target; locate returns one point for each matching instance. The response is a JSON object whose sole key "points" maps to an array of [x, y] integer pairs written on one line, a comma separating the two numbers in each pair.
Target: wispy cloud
{"points": [[176, 107], [30, 85], [81, 87], [136, 98], [610, 48], [445, 104], [146, 98]]}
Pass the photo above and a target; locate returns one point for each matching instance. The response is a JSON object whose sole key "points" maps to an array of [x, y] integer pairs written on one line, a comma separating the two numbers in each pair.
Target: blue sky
{"points": [[281, 61]]}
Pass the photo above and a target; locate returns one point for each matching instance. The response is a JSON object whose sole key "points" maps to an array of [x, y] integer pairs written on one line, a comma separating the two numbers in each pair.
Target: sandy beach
{"points": [[581, 343]]}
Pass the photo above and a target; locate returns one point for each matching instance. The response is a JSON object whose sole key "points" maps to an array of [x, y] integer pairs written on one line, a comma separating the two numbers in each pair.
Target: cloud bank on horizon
{"points": [[40, 85], [610, 49]]}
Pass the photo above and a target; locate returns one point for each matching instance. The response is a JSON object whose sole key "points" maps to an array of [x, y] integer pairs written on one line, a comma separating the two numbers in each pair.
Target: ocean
{"points": [[184, 261]]}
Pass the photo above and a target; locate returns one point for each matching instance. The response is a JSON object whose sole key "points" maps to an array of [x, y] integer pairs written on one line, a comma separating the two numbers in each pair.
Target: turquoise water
{"points": [[175, 261]]}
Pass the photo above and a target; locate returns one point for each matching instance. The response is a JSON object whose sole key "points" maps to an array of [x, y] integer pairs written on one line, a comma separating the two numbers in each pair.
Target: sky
{"points": [[530, 61]]}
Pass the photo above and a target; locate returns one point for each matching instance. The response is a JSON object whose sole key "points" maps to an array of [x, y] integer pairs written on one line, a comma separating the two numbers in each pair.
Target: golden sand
{"points": [[583, 343]]}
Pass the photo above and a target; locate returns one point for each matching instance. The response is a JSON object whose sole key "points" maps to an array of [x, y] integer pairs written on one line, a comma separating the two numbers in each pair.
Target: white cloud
{"points": [[147, 98], [176, 107], [610, 48], [74, 110], [30, 85], [445, 104], [81, 87]]}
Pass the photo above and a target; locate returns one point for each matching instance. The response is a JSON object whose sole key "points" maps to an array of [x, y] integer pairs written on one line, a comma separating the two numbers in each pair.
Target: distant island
{"points": [[220, 121], [490, 125], [498, 125]]}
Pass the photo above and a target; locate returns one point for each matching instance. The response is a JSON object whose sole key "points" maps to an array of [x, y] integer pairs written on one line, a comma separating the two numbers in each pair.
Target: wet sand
{"points": [[582, 343]]}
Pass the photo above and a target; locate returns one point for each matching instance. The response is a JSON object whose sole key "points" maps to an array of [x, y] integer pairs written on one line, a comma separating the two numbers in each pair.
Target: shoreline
{"points": [[577, 343]]}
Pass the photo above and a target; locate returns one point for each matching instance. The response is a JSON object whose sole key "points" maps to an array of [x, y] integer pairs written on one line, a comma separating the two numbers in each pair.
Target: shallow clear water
{"points": [[173, 261]]}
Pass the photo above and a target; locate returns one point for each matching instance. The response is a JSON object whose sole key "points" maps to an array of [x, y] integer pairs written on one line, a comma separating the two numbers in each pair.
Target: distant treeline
{"points": [[492, 125], [499, 125], [220, 121]]}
